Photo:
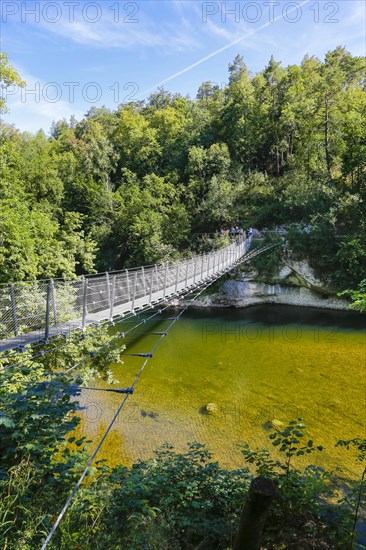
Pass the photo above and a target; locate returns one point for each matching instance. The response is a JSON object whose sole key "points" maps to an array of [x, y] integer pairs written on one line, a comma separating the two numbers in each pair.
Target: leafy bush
{"points": [[268, 265]]}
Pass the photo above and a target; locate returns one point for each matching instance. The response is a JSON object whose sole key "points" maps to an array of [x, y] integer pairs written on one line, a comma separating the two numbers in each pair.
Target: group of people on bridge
{"points": [[234, 232]]}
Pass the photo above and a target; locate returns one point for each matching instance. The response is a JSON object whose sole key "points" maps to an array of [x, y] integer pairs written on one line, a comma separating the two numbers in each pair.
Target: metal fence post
{"points": [[143, 280], [214, 262], [176, 277], [201, 274], [112, 297], [85, 302], [13, 309], [165, 276], [48, 307], [108, 289], [151, 285], [54, 303], [208, 265], [128, 286], [186, 273], [195, 271], [134, 291]]}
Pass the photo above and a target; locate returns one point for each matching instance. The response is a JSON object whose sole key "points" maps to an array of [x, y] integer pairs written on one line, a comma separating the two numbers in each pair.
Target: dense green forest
{"points": [[129, 187]]}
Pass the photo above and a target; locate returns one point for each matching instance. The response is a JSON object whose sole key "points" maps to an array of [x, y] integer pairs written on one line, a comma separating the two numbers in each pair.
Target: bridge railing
{"points": [[49, 307]]}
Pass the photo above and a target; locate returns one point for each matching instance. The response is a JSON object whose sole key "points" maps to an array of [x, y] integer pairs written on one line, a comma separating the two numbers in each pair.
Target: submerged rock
{"points": [[210, 408], [151, 414], [273, 424]]}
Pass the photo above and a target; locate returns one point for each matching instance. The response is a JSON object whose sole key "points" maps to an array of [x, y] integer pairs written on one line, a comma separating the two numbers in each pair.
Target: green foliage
{"points": [[358, 297], [187, 495], [116, 189], [355, 499], [268, 265], [301, 514], [289, 439], [39, 458], [8, 77]]}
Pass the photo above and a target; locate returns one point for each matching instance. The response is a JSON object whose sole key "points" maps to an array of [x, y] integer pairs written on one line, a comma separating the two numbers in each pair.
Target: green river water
{"points": [[257, 365]]}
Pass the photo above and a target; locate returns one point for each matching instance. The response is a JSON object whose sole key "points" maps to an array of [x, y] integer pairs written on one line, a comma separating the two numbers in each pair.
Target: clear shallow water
{"points": [[256, 365]]}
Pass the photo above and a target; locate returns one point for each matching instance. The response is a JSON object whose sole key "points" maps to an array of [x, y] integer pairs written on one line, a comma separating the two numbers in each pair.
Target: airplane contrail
{"points": [[222, 49]]}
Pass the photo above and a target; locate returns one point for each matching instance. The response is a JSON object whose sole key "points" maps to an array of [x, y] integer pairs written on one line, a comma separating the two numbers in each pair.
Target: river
{"points": [[256, 365]]}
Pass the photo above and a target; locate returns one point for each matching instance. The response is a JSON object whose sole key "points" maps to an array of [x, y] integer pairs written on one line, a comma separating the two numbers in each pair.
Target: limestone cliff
{"points": [[295, 284]]}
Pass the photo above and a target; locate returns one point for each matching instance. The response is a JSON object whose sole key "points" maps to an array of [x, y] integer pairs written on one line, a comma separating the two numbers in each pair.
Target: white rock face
{"points": [[285, 272], [303, 275], [242, 294], [296, 284]]}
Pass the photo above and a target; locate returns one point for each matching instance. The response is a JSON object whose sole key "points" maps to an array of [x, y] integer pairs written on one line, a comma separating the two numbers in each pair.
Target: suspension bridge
{"points": [[37, 311]]}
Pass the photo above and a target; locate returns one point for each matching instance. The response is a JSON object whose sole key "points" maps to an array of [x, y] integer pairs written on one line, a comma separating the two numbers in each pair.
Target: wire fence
{"points": [[31, 311]]}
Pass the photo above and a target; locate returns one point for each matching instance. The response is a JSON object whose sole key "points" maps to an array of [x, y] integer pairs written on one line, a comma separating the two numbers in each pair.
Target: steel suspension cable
{"points": [[132, 388]]}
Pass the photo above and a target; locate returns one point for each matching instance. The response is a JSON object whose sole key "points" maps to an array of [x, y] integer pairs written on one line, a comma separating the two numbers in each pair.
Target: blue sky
{"points": [[76, 54]]}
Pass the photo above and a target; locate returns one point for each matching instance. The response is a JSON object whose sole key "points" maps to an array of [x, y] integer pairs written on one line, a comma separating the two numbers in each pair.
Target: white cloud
{"points": [[176, 36]]}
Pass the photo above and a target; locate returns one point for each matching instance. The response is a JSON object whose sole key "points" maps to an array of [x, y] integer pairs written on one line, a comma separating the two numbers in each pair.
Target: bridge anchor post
{"points": [[253, 516]]}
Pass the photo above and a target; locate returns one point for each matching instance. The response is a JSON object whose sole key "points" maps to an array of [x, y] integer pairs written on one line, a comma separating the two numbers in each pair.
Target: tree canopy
{"points": [[120, 188]]}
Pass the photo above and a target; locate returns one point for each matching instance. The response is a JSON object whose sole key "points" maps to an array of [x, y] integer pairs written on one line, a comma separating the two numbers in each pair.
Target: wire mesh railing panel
{"points": [[183, 272], [7, 324], [30, 303], [171, 275], [149, 280], [161, 273], [97, 295], [121, 289], [139, 290], [68, 297]]}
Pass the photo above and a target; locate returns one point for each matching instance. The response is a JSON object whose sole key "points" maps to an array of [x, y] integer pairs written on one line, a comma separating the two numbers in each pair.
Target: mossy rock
{"points": [[271, 424], [211, 409]]}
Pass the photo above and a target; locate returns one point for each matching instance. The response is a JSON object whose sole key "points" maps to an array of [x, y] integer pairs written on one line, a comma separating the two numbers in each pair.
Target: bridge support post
{"points": [[54, 303], [134, 291], [151, 284], [48, 309], [143, 279], [195, 271], [128, 286], [187, 266], [85, 304], [112, 297], [165, 277], [208, 265], [108, 289], [13, 309], [201, 274], [176, 277]]}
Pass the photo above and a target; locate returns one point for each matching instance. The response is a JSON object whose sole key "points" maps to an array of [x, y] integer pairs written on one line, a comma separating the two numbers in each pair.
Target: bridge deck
{"points": [[32, 312]]}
